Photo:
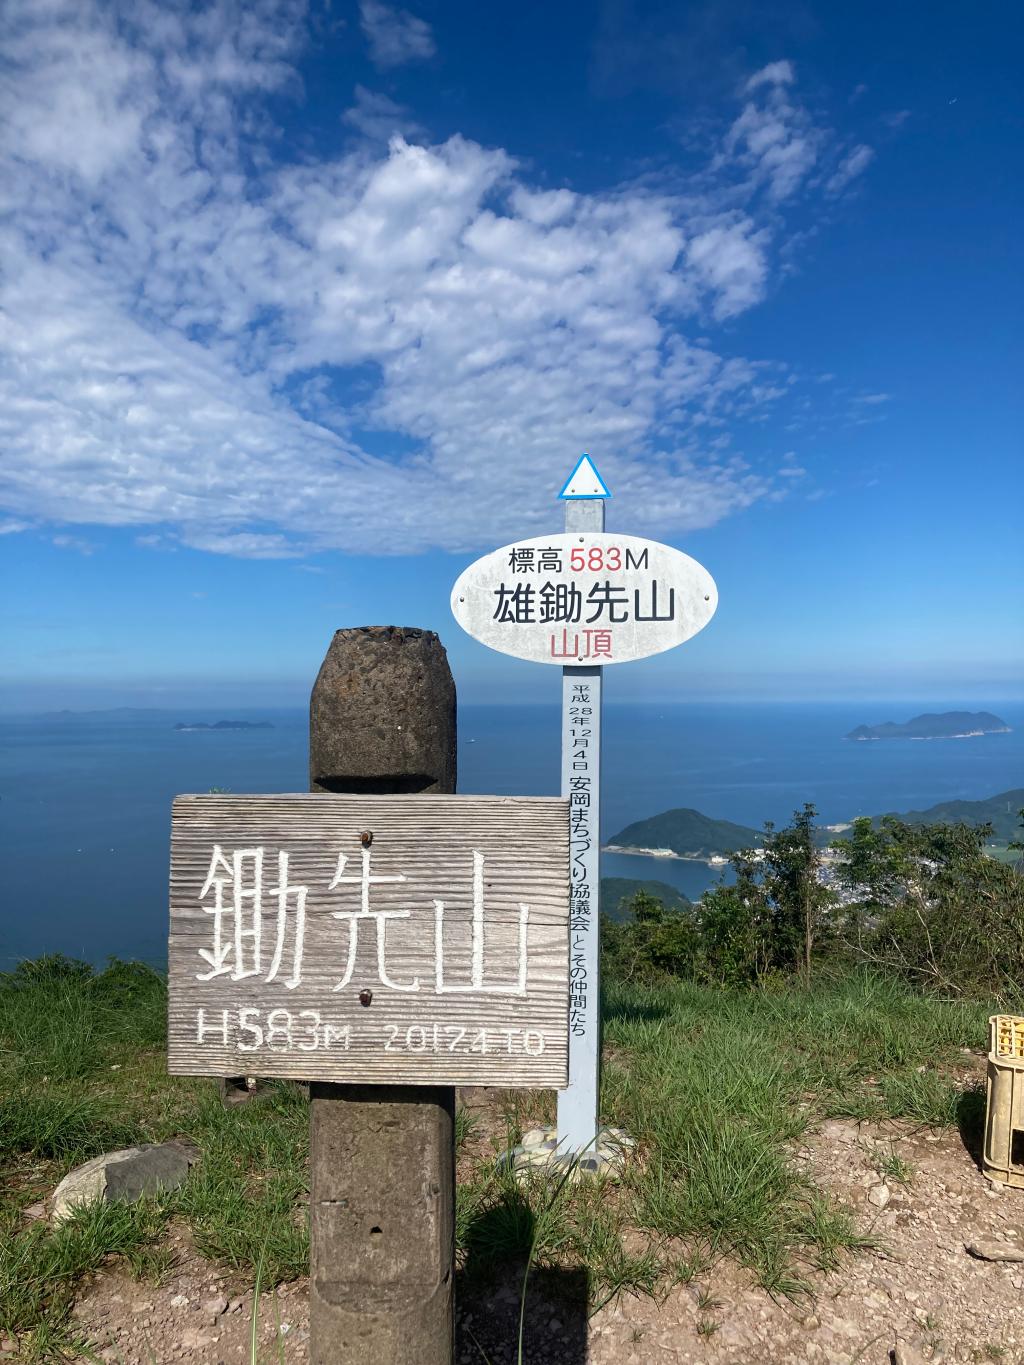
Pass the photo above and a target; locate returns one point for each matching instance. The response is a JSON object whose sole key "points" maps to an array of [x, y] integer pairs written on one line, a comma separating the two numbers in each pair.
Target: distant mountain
{"points": [[67, 714], [688, 834], [948, 725], [615, 890], [998, 811], [227, 725]]}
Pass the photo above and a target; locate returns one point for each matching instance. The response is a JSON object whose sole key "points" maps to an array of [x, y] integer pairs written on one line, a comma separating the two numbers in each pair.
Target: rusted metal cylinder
{"points": [[382, 1158]]}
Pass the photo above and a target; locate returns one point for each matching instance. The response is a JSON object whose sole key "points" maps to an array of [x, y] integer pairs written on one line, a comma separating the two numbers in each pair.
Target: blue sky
{"points": [[305, 307]]}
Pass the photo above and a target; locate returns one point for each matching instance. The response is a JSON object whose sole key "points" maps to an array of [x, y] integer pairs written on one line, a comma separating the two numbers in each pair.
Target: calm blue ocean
{"points": [[85, 799]]}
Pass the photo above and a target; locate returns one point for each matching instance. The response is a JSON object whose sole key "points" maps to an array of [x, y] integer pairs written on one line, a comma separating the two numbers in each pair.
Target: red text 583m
{"points": [[605, 558]]}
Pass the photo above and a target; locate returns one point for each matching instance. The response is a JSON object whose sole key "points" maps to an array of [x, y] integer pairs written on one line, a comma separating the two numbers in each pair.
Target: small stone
{"points": [[215, 1306], [879, 1195], [995, 1251], [179, 1301]]}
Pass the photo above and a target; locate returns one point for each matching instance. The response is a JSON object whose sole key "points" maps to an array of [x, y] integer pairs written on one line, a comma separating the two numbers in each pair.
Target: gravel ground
{"points": [[920, 1293]]}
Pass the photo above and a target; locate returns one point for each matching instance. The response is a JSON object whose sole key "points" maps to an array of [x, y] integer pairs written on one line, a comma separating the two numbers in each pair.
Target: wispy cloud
{"points": [[774, 138], [206, 342], [76, 543], [379, 117], [395, 36], [852, 165]]}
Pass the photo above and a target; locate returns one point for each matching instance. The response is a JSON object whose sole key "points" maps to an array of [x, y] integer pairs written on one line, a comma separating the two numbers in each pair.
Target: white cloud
{"points": [[379, 117], [731, 261], [853, 164], [266, 358], [774, 138], [395, 36], [775, 73]]}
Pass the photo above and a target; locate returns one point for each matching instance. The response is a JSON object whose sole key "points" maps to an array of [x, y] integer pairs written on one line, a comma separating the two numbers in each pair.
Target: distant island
{"points": [[948, 725], [684, 833], [226, 725]]}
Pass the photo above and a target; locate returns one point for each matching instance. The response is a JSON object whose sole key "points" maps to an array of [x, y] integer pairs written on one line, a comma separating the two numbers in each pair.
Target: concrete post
{"points": [[382, 1158]]}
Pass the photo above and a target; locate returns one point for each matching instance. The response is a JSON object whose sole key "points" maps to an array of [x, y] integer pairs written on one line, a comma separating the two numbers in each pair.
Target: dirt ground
{"points": [[920, 1293]]}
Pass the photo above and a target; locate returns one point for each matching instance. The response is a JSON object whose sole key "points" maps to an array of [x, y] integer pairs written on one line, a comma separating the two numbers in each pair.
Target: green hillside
{"points": [[614, 890], [687, 832], [999, 811]]}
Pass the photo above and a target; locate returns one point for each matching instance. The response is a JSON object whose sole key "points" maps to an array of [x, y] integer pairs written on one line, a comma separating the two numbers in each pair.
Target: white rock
{"points": [[879, 1195], [536, 1136]]}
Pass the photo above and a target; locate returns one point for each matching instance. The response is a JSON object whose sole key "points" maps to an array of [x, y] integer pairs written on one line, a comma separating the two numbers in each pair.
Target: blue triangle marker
{"points": [[585, 481]]}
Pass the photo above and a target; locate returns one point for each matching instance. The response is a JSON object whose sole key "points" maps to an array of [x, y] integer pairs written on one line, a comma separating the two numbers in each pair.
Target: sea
{"points": [[85, 798]]}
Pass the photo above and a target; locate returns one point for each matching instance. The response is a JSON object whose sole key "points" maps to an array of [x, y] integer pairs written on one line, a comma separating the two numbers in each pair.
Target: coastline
{"points": [[968, 734], [629, 851]]}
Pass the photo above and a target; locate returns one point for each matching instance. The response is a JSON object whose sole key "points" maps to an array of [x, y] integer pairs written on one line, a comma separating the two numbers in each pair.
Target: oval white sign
{"points": [[584, 597]]}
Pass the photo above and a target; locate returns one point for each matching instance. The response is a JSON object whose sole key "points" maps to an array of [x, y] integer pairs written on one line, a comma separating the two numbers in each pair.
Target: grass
{"points": [[716, 1086], [895, 1168]]}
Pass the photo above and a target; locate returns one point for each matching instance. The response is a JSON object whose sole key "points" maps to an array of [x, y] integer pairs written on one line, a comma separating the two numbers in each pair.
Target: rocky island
{"points": [[946, 725]]}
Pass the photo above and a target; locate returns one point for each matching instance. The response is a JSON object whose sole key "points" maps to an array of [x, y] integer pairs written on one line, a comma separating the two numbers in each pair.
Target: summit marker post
{"points": [[578, 1119], [581, 600]]}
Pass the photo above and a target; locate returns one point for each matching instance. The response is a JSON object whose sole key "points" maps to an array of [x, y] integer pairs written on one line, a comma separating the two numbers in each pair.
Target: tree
{"points": [[735, 926], [799, 897], [770, 918], [932, 905], [656, 943]]}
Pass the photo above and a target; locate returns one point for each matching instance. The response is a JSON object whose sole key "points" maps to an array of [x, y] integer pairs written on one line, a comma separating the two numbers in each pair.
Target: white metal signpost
{"points": [[581, 600]]}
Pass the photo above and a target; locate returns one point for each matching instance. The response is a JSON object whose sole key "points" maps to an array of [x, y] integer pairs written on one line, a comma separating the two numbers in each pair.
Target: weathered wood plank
{"points": [[451, 924]]}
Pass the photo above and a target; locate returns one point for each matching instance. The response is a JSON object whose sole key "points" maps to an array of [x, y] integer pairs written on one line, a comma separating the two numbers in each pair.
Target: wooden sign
{"points": [[584, 599], [388, 939]]}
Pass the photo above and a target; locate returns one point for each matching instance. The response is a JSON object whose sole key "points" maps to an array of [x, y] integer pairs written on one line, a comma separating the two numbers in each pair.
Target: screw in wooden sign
{"points": [[583, 599]]}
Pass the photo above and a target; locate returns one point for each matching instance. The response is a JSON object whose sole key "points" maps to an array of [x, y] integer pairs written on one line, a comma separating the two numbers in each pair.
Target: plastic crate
{"points": [[1006, 1037], [1003, 1155]]}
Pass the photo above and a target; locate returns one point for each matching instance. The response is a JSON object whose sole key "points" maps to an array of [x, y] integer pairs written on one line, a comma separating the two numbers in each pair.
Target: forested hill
{"points": [[947, 725], [617, 890], [688, 833], [1000, 811]]}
